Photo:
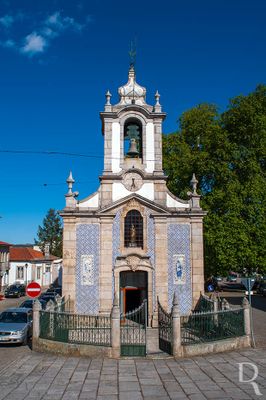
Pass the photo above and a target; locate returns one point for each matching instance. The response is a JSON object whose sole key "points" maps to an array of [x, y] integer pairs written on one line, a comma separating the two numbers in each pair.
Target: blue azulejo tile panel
{"points": [[151, 251], [179, 267], [87, 274]]}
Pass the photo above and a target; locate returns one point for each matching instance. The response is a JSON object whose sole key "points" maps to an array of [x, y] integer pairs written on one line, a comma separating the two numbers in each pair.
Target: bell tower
{"points": [[132, 132]]}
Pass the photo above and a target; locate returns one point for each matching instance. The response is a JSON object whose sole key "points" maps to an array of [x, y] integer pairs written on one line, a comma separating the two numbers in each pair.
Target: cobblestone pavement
{"points": [[42, 376]]}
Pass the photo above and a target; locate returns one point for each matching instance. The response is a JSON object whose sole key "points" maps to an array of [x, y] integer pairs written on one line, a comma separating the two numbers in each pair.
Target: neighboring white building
{"points": [[4, 262], [28, 264]]}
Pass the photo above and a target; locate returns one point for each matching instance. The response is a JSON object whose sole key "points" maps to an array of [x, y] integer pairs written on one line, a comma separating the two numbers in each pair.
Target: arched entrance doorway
{"points": [[133, 289]]}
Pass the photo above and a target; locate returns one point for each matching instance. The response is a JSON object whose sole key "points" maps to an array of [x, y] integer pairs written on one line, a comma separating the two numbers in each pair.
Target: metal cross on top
{"points": [[132, 53]]}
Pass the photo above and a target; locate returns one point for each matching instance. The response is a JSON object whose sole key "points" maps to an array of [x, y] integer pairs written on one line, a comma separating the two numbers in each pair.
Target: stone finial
{"points": [[50, 305], [157, 98], [70, 196], [194, 182], [225, 304], [175, 299], [108, 105], [116, 300], [70, 180], [37, 305], [108, 98], [157, 107], [194, 196], [245, 302]]}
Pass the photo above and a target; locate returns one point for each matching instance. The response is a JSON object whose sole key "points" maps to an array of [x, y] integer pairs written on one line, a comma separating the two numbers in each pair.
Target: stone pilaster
{"points": [[158, 144], [161, 265], [106, 262], [69, 261], [107, 146], [197, 258]]}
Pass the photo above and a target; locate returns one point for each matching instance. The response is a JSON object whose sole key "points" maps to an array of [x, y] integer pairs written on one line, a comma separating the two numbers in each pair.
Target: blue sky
{"points": [[58, 58]]}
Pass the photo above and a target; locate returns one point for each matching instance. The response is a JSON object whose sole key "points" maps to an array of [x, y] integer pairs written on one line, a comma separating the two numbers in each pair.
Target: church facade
{"points": [[132, 237]]}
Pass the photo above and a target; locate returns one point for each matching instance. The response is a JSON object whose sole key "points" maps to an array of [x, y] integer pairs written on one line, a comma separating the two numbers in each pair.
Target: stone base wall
{"points": [[77, 350], [215, 347]]}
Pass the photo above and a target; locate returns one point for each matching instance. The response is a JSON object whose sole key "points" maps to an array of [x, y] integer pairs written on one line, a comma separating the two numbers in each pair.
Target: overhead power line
{"points": [[61, 153]]}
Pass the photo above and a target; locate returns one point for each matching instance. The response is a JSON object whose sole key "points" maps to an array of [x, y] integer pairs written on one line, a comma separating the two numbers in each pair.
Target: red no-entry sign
{"points": [[33, 289]]}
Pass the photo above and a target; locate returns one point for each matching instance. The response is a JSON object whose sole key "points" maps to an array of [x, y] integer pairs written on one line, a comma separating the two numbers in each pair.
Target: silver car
{"points": [[15, 325]]}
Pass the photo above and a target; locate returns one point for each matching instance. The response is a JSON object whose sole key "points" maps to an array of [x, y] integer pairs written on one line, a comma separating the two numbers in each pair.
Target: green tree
{"points": [[51, 232], [227, 153]]}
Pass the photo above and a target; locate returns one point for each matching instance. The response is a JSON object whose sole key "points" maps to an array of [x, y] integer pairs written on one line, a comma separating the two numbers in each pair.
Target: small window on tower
{"points": [[134, 229], [133, 139]]}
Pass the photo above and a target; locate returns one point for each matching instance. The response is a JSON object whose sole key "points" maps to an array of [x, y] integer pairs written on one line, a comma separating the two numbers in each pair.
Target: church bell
{"points": [[133, 151]]}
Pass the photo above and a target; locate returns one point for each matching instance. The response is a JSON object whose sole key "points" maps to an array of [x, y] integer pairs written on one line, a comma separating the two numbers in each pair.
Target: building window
{"points": [[133, 139], [38, 273], [47, 268], [20, 272], [133, 229]]}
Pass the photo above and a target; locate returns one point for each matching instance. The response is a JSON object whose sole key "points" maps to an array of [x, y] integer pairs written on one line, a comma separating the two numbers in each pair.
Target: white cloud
{"points": [[34, 44], [7, 21], [40, 39], [59, 23], [9, 43]]}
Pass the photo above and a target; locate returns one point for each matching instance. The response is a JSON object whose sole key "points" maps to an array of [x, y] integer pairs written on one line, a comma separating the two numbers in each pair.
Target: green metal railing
{"points": [[202, 327], [204, 304], [165, 330], [75, 328], [133, 331]]}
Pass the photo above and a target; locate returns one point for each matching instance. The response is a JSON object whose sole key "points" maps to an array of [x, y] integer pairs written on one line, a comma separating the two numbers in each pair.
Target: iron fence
{"points": [[165, 330], [133, 331], [202, 327], [75, 328]]}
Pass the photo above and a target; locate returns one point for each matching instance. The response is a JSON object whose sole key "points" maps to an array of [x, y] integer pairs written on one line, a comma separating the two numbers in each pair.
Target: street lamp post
{"points": [[26, 266]]}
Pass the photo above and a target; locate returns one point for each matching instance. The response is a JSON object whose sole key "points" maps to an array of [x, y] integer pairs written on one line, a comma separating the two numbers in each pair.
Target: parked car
{"points": [[16, 290], [55, 291], [231, 278], [261, 289], [16, 325], [48, 296], [29, 303]]}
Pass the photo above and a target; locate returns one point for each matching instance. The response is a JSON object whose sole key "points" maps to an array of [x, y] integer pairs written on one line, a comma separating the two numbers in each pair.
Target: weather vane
{"points": [[132, 53]]}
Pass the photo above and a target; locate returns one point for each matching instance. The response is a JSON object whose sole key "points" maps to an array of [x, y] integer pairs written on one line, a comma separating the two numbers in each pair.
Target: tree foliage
{"points": [[227, 153], [51, 232]]}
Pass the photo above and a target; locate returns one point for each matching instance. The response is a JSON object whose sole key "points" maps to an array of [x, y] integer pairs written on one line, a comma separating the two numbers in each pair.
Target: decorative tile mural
{"points": [[87, 275], [179, 269], [87, 270]]}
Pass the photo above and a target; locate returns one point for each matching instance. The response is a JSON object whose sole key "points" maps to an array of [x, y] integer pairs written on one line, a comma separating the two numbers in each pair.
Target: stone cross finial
{"points": [[108, 98], [70, 182], [194, 182]]}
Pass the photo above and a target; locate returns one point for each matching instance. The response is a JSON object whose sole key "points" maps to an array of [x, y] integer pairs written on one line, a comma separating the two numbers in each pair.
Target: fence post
{"points": [[36, 319], [115, 328], [225, 305], [246, 306], [176, 324]]}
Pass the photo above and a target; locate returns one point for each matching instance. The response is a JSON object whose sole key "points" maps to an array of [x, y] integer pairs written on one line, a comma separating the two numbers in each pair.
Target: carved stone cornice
{"points": [[133, 261]]}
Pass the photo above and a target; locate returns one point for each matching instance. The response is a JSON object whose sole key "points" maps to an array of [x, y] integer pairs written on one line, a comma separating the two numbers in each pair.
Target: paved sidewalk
{"points": [[42, 376]]}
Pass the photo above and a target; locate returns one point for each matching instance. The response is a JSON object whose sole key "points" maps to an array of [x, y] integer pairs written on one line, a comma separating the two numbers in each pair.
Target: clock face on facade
{"points": [[132, 181]]}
